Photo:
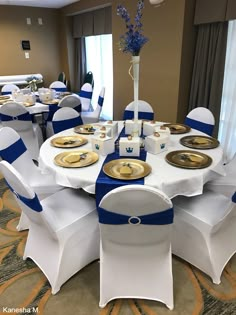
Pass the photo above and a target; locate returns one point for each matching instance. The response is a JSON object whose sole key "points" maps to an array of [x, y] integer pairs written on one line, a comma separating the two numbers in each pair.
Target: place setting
{"points": [[88, 129], [68, 141], [199, 142], [76, 159], [188, 159], [176, 128]]}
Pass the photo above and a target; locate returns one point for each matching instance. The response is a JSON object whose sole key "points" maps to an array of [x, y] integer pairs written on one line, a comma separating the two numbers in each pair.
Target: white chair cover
{"points": [[72, 101], [13, 150], [63, 235], [65, 118], [145, 111], [225, 185], [85, 96], [93, 117], [9, 88], [58, 86], [204, 231], [135, 259], [202, 119], [18, 118]]}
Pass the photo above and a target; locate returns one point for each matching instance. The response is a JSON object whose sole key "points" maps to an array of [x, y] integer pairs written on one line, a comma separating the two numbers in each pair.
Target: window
{"points": [[99, 61]]}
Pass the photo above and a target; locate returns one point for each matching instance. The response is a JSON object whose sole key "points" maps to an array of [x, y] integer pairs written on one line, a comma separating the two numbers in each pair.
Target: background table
{"points": [[171, 180]]}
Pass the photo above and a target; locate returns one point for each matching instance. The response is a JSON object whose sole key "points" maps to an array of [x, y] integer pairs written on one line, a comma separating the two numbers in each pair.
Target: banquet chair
{"points": [[16, 116], [89, 78], [63, 236], [202, 119], [145, 111], [93, 117], [72, 101], [225, 184], [9, 88], [65, 118], [204, 231], [58, 86], [135, 250], [85, 96], [14, 151]]}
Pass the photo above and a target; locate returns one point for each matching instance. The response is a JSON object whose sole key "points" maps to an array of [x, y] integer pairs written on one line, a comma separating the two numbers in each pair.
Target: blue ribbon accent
{"points": [[158, 218], [6, 92], [85, 94], [11, 153], [33, 203], [61, 125], [104, 183], [51, 112], [24, 117], [60, 89], [78, 108], [100, 101], [129, 114], [206, 128], [234, 198]]}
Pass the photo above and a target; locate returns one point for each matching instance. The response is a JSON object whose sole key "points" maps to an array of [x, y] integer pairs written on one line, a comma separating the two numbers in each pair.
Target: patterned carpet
{"points": [[25, 290]]}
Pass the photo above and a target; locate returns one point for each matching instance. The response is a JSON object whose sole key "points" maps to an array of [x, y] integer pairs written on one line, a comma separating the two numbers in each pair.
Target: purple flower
{"points": [[133, 40]]}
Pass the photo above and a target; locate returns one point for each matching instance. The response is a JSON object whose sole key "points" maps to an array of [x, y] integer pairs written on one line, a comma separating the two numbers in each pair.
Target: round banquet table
{"points": [[171, 180]]}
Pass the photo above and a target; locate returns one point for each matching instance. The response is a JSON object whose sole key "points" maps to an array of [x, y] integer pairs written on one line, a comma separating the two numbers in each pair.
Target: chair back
{"points": [[14, 151], [145, 111], [25, 196], [89, 78], [98, 108], [135, 215], [65, 118], [9, 88], [85, 96], [202, 119], [72, 101], [58, 86], [62, 77]]}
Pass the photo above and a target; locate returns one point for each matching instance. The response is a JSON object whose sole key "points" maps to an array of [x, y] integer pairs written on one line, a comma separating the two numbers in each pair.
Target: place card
{"points": [[102, 144]]}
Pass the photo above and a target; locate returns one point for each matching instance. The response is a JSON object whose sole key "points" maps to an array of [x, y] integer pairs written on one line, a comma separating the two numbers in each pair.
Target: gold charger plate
{"points": [[177, 128], [199, 142], [188, 159], [68, 141], [87, 129], [27, 104], [4, 97], [73, 159], [51, 102], [139, 169]]}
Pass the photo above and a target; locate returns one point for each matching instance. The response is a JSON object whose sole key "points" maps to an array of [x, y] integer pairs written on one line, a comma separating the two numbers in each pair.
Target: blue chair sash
{"points": [[100, 100], [234, 197], [129, 114], [51, 112], [85, 94], [158, 218], [33, 203], [60, 89], [11, 153], [206, 128], [24, 117], [78, 108], [6, 92], [61, 125]]}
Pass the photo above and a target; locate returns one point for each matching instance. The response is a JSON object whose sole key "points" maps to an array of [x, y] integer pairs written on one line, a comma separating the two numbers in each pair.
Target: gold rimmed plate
{"points": [[68, 141], [51, 102], [27, 104], [188, 159], [4, 97], [88, 129], [76, 159], [127, 169], [177, 128], [199, 142]]}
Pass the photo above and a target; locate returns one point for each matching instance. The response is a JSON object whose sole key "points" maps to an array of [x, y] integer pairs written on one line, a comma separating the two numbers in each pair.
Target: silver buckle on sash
{"points": [[134, 223]]}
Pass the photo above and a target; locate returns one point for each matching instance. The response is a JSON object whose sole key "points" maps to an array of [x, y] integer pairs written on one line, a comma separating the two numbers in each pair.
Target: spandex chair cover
{"points": [[65, 118], [85, 96], [58, 86], [72, 101], [93, 117], [9, 88], [145, 111], [202, 119]]}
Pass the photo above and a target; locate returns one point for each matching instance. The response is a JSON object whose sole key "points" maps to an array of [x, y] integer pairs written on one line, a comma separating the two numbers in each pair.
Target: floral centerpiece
{"points": [[132, 42], [32, 83]]}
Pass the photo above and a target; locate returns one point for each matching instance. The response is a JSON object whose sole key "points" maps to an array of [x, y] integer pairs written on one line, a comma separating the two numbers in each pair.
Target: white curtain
{"points": [[100, 63], [227, 128]]}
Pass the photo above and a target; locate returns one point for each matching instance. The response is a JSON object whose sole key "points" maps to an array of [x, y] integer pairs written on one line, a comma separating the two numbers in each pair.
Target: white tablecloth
{"points": [[171, 180]]}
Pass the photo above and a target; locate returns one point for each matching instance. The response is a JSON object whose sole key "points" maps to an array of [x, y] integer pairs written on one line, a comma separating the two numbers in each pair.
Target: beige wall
{"points": [[44, 41], [166, 60]]}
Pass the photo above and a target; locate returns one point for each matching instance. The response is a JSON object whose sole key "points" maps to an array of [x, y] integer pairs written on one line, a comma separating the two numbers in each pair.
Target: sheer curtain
{"points": [[227, 128], [99, 61]]}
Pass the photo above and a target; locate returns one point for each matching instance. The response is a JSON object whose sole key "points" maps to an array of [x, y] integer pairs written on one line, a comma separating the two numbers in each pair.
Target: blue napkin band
{"points": [[206, 128], [129, 114], [11, 153], [33, 203], [158, 218]]}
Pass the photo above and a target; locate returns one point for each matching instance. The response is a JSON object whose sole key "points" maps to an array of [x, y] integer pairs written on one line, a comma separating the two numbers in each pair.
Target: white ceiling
{"points": [[39, 3]]}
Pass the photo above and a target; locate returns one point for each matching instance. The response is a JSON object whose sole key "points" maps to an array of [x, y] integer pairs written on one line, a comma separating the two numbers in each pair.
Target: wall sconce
{"points": [[157, 3]]}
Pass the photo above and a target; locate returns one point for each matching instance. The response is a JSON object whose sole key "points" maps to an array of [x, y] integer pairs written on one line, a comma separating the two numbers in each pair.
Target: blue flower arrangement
{"points": [[133, 40]]}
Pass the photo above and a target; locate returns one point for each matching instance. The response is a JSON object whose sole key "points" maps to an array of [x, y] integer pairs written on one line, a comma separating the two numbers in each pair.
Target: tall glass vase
{"points": [[135, 64]]}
